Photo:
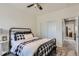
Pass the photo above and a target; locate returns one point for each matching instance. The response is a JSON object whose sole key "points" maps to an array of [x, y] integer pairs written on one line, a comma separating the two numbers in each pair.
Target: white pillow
{"points": [[28, 36]]}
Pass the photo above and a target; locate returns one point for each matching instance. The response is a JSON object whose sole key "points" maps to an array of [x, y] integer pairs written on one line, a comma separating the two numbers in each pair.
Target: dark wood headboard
{"points": [[17, 30]]}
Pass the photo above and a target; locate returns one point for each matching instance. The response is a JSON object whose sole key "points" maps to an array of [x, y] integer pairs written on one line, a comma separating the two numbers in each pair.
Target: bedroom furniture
{"points": [[42, 46], [16, 30], [4, 47]]}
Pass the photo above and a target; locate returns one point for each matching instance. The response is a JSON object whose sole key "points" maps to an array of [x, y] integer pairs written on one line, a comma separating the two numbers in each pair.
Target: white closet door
{"points": [[48, 29], [51, 29]]}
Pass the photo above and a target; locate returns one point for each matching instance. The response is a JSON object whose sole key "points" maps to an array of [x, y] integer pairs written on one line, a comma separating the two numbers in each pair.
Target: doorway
{"points": [[69, 34], [70, 30]]}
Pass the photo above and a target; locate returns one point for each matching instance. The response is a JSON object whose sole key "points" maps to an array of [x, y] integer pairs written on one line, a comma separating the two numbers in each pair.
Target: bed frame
{"points": [[23, 29], [15, 30]]}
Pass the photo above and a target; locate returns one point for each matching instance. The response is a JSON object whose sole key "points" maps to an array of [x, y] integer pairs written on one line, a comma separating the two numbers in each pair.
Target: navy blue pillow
{"points": [[20, 35]]}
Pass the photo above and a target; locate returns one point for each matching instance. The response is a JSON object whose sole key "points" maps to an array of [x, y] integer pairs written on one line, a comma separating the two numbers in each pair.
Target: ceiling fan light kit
{"points": [[35, 5]]}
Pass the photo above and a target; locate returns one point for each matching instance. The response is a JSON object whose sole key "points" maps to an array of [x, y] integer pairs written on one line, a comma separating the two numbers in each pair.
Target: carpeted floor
{"points": [[68, 49]]}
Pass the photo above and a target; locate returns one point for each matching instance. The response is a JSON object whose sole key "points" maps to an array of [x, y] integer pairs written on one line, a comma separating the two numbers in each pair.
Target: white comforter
{"points": [[30, 48]]}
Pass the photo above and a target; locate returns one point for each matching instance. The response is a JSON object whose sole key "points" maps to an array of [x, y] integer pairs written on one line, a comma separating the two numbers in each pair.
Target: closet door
{"points": [[51, 29], [48, 29]]}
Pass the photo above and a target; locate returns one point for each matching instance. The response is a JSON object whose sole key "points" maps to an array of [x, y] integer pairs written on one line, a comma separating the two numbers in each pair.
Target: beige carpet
{"points": [[68, 49]]}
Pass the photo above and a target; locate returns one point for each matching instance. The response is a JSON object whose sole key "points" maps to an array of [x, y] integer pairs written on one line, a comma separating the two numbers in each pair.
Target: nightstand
{"points": [[4, 47]]}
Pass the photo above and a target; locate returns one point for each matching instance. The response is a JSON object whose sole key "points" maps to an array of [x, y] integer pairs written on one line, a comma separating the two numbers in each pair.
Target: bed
{"points": [[22, 42]]}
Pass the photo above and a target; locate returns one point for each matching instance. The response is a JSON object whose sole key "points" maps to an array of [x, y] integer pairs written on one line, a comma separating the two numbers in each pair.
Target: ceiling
{"points": [[47, 7]]}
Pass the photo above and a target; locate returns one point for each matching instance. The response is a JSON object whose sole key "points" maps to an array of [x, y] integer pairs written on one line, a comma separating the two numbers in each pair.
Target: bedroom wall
{"points": [[12, 17], [57, 17]]}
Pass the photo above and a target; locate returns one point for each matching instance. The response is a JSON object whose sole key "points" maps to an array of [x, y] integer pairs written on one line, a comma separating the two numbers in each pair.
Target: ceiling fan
{"points": [[36, 5]]}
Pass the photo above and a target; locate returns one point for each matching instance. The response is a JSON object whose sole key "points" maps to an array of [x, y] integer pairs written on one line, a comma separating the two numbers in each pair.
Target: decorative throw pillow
{"points": [[19, 37], [28, 36]]}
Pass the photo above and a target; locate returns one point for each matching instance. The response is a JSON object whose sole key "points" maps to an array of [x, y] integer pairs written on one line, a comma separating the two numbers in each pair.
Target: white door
{"points": [[51, 29], [48, 29]]}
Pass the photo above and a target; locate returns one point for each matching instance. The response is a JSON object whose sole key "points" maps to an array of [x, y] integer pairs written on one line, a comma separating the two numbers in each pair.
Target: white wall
{"points": [[12, 17], [57, 17]]}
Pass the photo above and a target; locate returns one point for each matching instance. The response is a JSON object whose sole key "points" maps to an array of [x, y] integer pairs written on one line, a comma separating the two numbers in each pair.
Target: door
{"points": [[48, 29], [51, 30]]}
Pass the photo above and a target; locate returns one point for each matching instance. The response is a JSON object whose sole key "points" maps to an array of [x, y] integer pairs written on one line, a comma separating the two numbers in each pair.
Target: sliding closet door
{"points": [[48, 29], [51, 29]]}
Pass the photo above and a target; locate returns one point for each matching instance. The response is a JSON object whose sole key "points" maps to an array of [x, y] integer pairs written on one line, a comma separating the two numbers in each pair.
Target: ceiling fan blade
{"points": [[30, 5], [39, 6]]}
